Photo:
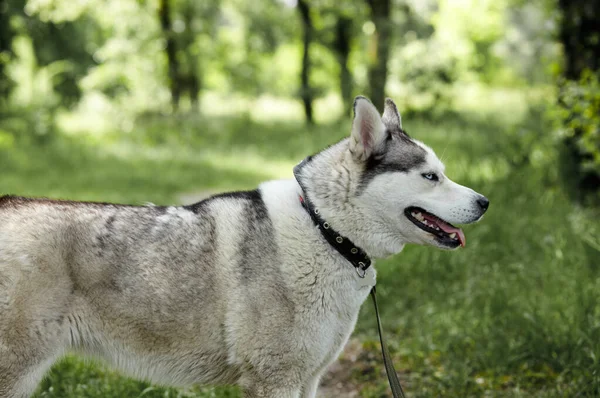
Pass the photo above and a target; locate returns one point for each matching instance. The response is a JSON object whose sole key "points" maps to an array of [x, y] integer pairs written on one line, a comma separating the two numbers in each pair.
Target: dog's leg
{"points": [[310, 389], [271, 392], [24, 363], [33, 329], [9, 378], [273, 387], [21, 382]]}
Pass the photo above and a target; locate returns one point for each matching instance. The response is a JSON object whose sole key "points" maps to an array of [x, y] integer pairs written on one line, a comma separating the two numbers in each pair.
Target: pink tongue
{"points": [[449, 229]]}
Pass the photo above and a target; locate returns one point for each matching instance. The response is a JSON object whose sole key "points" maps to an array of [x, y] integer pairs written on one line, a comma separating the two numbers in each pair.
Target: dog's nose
{"points": [[483, 202]]}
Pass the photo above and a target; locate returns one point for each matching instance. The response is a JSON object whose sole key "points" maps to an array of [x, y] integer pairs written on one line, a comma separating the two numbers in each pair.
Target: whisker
{"points": [[443, 153]]}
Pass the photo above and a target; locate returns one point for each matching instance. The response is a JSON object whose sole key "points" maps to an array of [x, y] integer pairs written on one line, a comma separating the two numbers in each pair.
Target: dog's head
{"points": [[383, 189]]}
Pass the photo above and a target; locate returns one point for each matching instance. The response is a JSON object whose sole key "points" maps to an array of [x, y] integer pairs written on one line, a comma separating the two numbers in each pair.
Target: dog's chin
{"points": [[423, 238], [445, 245]]}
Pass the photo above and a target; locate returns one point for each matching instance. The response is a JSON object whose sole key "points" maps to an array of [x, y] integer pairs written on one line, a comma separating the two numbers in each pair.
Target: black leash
{"points": [[361, 262], [395, 385]]}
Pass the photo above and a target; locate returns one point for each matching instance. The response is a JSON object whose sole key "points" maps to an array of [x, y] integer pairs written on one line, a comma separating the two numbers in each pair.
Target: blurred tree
{"points": [[60, 38], [253, 46], [529, 37], [187, 26], [580, 36], [306, 92], [166, 24], [64, 42], [5, 50], [61, 35], [49, 51], [342, 45], [378, 60], [189, 78], [419, 63], [337, 26]]}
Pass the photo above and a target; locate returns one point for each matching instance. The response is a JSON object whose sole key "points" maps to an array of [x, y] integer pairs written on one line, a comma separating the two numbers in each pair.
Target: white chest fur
{"points": [[328, 289]]}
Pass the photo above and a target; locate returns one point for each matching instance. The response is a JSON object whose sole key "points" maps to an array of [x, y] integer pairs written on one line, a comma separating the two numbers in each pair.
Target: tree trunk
{"points": [[194, 72], [306, 92], [164, 12], [5, 49], [380, 12], [343, 37], [194, 89]]}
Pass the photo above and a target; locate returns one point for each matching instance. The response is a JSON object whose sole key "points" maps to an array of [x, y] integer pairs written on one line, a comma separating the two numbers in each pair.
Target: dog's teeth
{"points": [[419, 216], [453, 235], [413, 214]]}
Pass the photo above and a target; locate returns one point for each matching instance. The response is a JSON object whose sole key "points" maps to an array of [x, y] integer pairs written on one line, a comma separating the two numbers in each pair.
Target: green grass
{"points": [[514, 314]]}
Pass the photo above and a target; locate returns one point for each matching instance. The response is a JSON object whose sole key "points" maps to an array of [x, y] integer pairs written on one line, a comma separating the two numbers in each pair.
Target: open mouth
{"points": [[444, 232]]}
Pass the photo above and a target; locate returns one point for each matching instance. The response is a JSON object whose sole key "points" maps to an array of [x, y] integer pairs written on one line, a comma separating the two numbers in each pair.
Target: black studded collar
{"points": [[343, 245], [354, 254]]}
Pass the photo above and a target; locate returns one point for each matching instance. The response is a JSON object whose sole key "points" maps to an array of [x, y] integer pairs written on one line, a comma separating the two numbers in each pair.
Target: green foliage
{"points": [[253, 45], [470, 29], [30, 113], [428, 83], [59, 34], [579, 116]]}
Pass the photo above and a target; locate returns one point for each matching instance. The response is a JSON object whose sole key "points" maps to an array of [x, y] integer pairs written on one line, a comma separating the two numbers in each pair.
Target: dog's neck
{"points": [[354, 254], [331, 181]]}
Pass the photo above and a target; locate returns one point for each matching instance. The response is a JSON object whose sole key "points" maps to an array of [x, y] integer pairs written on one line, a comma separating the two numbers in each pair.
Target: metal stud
{"points": [[354, 250], [339, 239], [316, 211], [326, 225]]}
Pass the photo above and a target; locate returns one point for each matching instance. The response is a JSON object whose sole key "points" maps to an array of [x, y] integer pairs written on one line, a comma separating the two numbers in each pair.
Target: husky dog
{"points": [[240, 288]]}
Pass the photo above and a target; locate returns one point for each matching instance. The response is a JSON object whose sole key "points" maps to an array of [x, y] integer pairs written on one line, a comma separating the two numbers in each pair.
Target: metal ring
{"points": [[361, 272], [362, 265], [326, 225], [339, 239], [354, 250], [316, 211]]}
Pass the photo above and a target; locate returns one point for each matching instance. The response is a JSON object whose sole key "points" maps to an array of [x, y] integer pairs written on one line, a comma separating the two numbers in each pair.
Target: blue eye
{"points": [[430, 176]]}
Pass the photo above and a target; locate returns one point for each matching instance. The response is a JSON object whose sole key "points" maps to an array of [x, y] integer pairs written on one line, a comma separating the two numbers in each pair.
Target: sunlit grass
{"points": [[96, 114]]}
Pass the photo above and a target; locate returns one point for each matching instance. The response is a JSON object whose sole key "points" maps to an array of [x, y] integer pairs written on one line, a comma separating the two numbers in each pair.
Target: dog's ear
{"points": [[368, 131], [391, 117]]}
